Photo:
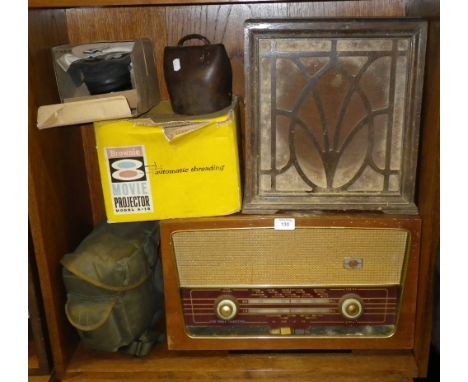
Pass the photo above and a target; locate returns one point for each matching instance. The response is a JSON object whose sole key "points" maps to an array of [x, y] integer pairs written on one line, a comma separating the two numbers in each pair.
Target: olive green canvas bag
{"points": [[114, 287]]}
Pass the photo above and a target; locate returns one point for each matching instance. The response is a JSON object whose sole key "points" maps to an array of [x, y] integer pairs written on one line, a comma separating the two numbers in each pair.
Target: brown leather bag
{"points": [[198, 78]]}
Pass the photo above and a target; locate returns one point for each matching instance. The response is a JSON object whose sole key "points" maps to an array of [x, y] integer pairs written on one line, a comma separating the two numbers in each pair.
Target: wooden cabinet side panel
{"points": [[38, 333], [59, 210], [428, 196]]}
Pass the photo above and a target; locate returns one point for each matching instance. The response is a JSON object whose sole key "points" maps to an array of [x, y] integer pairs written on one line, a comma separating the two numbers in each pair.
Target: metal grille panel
{"points": [[303, 257], [332, 116]]}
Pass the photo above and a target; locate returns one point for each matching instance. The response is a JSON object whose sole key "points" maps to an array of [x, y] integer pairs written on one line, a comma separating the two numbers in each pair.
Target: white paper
{"points": [[176, 64], [285, 224]]}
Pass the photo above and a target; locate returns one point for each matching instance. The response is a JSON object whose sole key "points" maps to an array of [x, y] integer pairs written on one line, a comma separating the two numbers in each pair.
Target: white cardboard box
{"points": [[78, 106]]}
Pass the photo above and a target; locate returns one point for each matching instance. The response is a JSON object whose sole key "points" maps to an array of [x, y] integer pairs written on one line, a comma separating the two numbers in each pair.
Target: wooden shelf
{"points": [[164, 365], [109, 3]]}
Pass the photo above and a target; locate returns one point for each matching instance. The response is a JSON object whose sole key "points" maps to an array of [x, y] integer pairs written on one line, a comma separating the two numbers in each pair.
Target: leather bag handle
{"points": [[193, 36]]}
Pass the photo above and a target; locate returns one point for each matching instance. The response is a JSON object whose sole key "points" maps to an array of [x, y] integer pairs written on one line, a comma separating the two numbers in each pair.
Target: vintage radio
{"points": [[291, 282]]}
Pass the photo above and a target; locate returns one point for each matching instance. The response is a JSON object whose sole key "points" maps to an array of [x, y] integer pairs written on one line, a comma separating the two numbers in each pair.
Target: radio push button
{"points": [[285, 331], [226, 308], [351, 308]]}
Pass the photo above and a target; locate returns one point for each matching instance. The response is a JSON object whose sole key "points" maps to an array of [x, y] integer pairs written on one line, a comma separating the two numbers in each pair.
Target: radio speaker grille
{"points": [[303, 257]]}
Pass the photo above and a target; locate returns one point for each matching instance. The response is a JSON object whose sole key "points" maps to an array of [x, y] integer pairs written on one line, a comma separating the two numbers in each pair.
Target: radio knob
{"points": [[351, 308], [226, 309]]}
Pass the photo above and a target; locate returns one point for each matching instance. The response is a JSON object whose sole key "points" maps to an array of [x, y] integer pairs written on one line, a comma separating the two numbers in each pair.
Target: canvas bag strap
{"points": [[143, 344]]}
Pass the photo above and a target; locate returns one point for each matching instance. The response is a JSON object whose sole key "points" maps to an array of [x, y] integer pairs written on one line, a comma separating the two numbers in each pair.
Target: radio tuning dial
{"points": [[351, 308], [226, 309]]}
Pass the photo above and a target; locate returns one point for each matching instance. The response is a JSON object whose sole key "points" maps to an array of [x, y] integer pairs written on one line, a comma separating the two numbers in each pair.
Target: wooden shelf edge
{"points": [[40, 378], [163, 365], [113, 3]]}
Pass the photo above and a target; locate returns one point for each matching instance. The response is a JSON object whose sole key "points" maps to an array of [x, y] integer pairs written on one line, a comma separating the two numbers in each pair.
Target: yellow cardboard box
{"points": [[165, 166]]}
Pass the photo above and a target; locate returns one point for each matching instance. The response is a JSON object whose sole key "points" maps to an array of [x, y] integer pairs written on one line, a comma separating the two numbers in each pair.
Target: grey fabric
{"points": [[114, 287]]}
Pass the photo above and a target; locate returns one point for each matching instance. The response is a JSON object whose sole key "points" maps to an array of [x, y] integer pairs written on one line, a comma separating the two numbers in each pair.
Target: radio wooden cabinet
{"points": [[65, 199], [237, 283]]}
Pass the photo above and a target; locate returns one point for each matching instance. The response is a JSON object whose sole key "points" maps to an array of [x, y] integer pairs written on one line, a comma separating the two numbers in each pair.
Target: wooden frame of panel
{"points": [[261, 133], [38, 344]]}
